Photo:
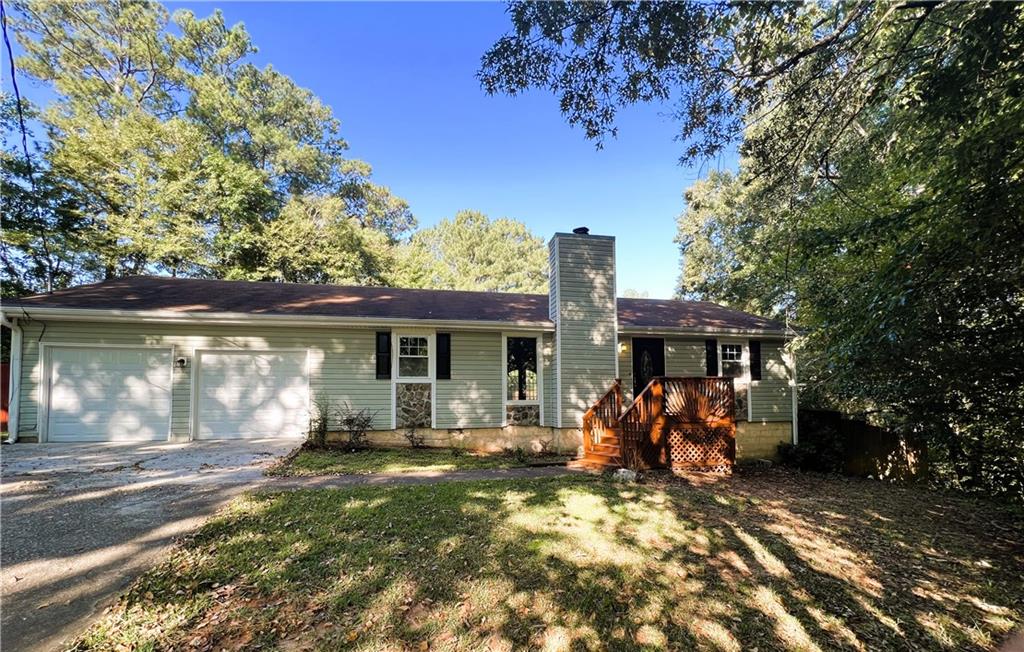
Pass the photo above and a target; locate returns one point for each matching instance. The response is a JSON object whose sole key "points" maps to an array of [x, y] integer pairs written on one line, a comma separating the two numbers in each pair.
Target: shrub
{"points": [[420, 419], [518, 454], [319, 422], [356, 423], [823, 453]]}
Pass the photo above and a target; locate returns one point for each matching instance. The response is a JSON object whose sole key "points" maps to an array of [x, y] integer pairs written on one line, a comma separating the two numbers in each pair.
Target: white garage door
{"points": [[251, 395], [106, 394]]}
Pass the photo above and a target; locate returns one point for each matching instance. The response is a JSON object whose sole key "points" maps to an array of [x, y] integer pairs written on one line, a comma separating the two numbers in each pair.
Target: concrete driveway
{"points": [[81, 521]]}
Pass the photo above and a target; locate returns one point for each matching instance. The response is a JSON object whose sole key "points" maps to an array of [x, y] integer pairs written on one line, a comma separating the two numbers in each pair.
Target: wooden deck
{"points": [[677, 423]]}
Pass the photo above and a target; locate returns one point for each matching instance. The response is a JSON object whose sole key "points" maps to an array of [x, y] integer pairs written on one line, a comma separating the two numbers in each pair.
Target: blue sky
{"points": [[401, 79]]}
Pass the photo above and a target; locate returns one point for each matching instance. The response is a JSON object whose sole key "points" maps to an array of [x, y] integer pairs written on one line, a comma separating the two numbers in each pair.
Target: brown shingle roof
{"points": [[199, 296], [663, 313]]}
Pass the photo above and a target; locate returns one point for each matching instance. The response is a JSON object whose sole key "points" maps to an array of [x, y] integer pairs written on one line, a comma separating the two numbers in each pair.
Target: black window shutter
{"points": [[755, 359], [711, 355], [444, 356], [383, 355]]}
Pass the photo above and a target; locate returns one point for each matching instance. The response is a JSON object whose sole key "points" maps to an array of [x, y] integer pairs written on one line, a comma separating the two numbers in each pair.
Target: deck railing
{"points": [[681, 423], [602, 419]]}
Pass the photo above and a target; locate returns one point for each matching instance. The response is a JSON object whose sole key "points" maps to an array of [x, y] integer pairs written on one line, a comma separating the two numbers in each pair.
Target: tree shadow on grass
{"points": [[561, 563]]}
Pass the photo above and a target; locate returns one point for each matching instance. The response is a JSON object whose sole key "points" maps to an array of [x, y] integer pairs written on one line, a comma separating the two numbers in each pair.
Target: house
{"points": [[155, 358]]}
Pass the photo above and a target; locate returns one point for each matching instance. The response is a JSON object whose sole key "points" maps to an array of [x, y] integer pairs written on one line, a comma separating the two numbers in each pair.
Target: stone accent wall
{"points": [[756, 440], [522, 415], [412, 404]]}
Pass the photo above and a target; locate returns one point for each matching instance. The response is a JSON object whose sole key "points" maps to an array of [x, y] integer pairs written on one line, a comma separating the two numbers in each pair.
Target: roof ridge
{"points": [[339, 286]]}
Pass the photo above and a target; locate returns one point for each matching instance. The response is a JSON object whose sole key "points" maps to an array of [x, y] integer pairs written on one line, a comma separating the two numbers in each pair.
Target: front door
{"points": [[648, 361]]}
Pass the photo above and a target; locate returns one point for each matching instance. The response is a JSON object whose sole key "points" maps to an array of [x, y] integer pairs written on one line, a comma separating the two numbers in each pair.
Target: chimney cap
{"points": [[581, 230]]}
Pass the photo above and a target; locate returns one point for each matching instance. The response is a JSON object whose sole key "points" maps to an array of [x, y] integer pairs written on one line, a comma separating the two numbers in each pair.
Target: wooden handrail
{"points": [[637, 397], [602, 415]]}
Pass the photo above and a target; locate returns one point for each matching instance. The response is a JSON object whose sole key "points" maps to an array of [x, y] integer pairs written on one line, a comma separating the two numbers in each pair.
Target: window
{"points": [[521, 369], [413, 357], [732, 360]]}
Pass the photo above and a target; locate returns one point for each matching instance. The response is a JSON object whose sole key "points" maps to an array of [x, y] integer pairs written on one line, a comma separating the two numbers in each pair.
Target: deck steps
{"points": [[592, 465], [601, 456]]}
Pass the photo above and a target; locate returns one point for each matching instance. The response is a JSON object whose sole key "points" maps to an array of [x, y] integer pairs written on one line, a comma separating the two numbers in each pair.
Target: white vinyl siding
{"points": [[341, 361], [771, 398], [108, 394], [472, 398], [685, 357], [246, 395]]}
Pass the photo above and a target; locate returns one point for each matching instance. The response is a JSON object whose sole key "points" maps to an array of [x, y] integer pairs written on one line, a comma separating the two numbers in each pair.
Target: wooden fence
{"points": [[866, 450]]}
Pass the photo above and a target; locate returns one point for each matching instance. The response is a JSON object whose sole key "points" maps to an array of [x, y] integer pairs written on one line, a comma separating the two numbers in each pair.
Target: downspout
{"points": [[793, 385], [13, 388]]}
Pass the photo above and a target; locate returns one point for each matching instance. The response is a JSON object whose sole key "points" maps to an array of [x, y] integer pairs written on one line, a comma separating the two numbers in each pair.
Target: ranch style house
{"points": [[176, 359]]}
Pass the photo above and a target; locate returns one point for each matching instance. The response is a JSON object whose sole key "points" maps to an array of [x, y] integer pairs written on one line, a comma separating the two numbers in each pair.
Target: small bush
{"points": [[355, 424], [415, 439], [824, 454], [518, 454], [319, 422], [419, 420]]}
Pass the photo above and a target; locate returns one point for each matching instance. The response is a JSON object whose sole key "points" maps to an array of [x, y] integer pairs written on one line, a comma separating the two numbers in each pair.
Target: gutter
{"points": [[13, 388], [706, 330], [237, 318], [312, 321]]}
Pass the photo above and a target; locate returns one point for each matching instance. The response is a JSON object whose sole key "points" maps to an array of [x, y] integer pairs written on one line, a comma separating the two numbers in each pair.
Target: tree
{"points": [[472, 252], [878, 200], [41, 243], [631, 293], [184, 155]]}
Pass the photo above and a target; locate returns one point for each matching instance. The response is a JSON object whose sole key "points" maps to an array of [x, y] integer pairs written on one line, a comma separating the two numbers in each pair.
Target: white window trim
{"points": [[45, 368], [539, 401], [431, 376], [398, 357], [745, 377]]}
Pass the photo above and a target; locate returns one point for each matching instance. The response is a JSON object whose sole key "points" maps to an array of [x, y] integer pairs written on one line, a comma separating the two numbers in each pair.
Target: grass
{"points": [[394, 460], [767, 560]]}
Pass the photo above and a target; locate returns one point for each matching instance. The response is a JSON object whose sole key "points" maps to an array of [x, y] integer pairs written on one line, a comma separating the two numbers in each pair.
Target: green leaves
{"points": [[473, 252], [185, 157]]}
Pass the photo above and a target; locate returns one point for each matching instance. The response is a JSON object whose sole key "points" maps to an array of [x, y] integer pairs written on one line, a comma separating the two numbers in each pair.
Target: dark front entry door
{"points": [[648, 361]]}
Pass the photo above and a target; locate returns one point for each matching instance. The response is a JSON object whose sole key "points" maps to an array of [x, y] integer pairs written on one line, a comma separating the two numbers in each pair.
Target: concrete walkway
{"points": [[419, 477]]}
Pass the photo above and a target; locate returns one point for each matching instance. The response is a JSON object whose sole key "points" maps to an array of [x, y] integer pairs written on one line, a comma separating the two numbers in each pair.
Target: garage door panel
{"points": [[252, 395], [101, 394]]}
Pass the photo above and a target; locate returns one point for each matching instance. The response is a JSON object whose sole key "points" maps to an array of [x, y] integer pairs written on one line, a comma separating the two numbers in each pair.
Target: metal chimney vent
{"points": [[581, 230]]}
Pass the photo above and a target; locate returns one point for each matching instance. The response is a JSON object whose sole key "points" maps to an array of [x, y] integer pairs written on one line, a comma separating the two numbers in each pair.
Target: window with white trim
{"points": [[413, 356], [732, 360], [521, 369], [734, 365]]}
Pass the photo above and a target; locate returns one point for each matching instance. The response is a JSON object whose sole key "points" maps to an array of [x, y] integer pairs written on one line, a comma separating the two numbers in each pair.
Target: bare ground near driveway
{"points": [[80, 521]]}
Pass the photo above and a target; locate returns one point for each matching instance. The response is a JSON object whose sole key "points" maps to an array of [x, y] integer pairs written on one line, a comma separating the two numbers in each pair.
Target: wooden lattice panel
{"points": [[701, 447]]}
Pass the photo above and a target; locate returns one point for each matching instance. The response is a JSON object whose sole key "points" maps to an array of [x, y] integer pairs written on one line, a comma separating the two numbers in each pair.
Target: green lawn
{"points": [[763, 561], [395, 460]]}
